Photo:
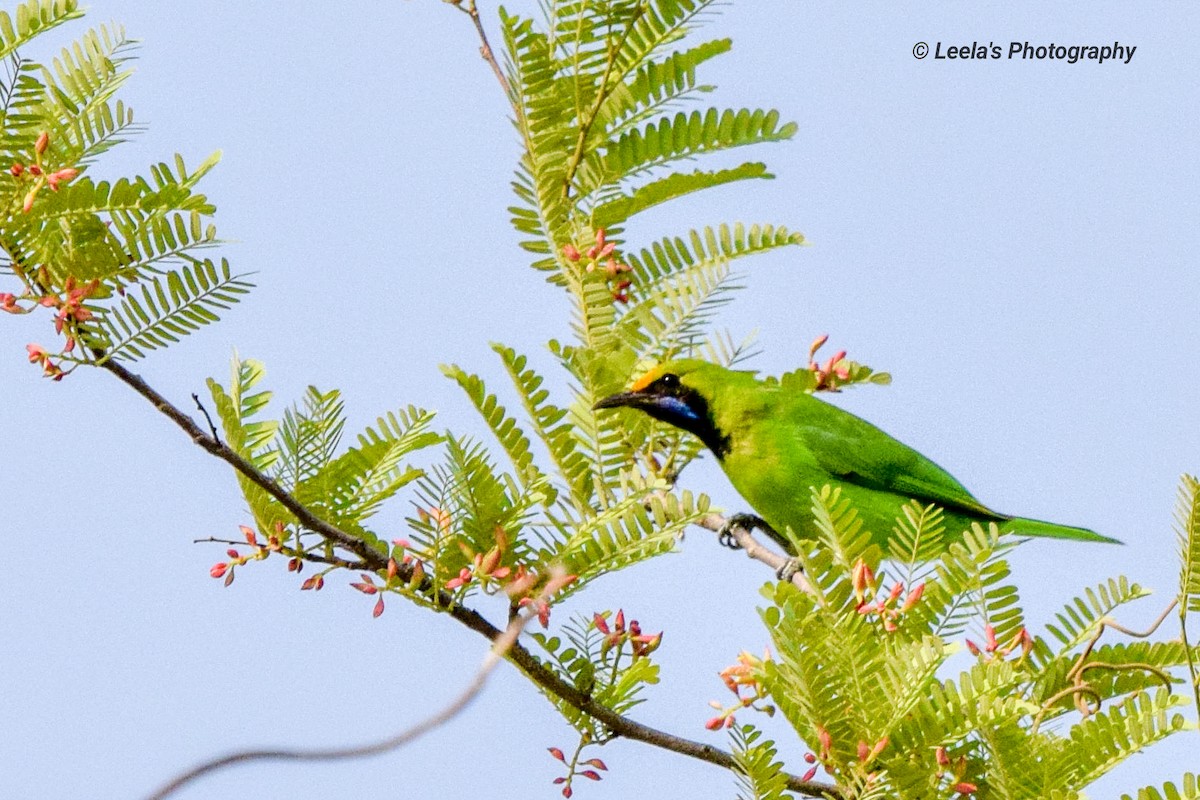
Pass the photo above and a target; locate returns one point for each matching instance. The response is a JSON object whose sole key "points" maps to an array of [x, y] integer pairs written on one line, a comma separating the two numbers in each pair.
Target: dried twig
{"points": [[494, 655]]}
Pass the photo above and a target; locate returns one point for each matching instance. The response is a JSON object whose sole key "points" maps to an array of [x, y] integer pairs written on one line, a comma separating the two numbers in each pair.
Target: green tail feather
{"points": [[1036, 527]]}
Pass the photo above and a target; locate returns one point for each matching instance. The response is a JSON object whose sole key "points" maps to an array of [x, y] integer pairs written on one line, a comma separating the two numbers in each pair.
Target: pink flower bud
{"points": [[27, 204], [590, 774], [913, 597], [556, 753], [808, 776], [817, 344], [571, 252], [877, 749], [989, 634], [714, 724], [597, 763], [378, 607], [43, 141], [965, 788], [218, 569], [826, 742]]}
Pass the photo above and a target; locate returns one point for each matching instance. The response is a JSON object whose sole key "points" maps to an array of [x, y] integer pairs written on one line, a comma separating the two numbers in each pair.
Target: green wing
{"points": [[853, 450]]}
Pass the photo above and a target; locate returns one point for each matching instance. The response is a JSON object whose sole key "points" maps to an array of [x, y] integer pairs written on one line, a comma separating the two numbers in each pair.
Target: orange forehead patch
{"points": [[648, 378]]}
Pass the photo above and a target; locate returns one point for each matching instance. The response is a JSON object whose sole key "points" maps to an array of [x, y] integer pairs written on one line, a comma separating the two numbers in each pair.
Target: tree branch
{"points": [[497, 651], [537, 672]]}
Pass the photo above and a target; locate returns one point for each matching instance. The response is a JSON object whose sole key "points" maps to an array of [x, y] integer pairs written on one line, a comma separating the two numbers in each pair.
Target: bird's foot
{"points": [[746, 522], [790, 569]]}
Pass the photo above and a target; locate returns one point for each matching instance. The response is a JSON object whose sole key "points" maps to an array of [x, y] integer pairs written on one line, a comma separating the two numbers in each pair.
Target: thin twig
{"points": [[1080, 689], [494, 656], [304, 555], [534, 669], [485, 48], [212, 429]]}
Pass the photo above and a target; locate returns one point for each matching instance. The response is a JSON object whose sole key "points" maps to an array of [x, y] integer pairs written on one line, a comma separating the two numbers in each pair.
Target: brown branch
{"points": [[495, 654], [485, 48], [234, 459], [537, 672]]}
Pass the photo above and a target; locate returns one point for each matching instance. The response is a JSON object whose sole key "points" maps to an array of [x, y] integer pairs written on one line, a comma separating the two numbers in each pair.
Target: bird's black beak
{"points": [[625, 399]]}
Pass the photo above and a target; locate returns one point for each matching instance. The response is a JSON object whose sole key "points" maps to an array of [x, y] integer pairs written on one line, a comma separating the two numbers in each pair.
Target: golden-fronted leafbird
{"points": [[776, 445]]}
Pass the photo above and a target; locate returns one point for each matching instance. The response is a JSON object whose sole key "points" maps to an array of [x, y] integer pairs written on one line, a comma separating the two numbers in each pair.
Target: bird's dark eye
{"points": [[669, 381]]}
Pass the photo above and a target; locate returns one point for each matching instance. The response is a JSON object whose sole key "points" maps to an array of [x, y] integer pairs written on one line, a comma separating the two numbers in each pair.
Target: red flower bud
{"points": [[965, 788], [218, 569], [597, 763], [554, 751], [571, 252], [15, 170], [378, 607], [43, 141], [590, 774], [714, 724]]}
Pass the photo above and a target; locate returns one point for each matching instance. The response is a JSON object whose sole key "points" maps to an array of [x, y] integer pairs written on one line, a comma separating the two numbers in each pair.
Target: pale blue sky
{"points": [[1012, 240]]}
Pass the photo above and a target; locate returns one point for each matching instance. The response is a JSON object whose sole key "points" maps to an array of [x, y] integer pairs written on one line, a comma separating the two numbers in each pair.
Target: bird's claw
{"points": [[790, 569], [746, 522]]}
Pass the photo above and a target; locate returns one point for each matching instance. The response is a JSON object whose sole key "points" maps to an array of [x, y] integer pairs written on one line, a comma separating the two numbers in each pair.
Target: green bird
{"points": [[775, 445]]}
